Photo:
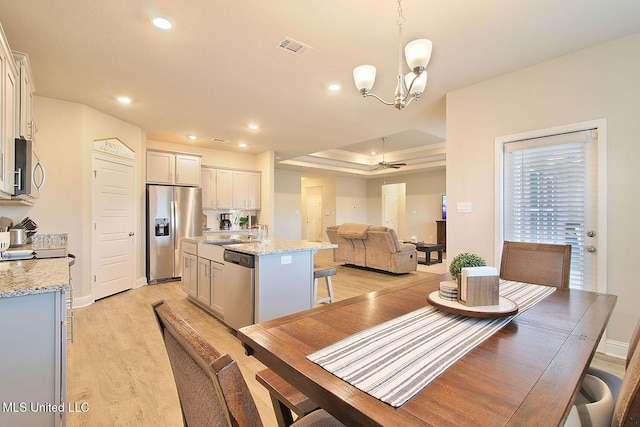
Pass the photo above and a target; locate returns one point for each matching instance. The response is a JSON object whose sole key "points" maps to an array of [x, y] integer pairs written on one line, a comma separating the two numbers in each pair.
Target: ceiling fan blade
{"points": [[394, 166], [398, 164]]}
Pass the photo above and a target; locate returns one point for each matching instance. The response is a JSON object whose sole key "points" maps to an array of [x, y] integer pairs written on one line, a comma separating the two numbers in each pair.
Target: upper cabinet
{"points": [[8, 105], [24, 106], [246, 190], [208, 184], [230, 189], [224, 189], [172, 168]]}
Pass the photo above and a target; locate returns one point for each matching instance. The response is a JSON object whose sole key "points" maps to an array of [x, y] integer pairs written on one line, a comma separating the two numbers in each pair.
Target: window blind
{"points": [[546, 194]]}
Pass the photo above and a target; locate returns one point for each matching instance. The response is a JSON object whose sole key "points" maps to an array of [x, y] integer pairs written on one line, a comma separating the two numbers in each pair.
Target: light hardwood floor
{"points": [[118, 364]]}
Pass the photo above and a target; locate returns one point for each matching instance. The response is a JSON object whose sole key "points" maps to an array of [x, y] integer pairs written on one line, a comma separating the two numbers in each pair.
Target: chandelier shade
{"points": [[419, 83], [364, 76], [418, 53]]}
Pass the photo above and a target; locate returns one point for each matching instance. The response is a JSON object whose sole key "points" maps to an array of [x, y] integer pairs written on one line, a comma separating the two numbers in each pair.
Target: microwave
{"points": [[30, 174]]}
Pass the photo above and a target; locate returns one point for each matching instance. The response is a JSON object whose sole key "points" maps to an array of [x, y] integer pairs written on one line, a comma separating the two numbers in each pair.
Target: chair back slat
{"points": [[537, 263]]}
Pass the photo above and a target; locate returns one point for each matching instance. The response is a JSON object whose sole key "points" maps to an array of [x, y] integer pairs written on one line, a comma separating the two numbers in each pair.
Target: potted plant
{"points": [[463, 260], [243, 221]]}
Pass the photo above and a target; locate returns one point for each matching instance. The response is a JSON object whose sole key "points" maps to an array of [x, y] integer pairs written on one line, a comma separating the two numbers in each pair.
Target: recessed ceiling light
{"points": [[334, 87], [162, 23], [192, 137], [373, 153], [242, 145], [254, 126], [124, 100]]}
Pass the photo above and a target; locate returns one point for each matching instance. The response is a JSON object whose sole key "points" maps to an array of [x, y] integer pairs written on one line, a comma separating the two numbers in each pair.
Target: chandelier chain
{"points": [[400, 16]]}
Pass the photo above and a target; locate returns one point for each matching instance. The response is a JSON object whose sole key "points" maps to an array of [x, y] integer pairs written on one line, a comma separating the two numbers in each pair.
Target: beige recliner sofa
{"points": [[372, 246]]}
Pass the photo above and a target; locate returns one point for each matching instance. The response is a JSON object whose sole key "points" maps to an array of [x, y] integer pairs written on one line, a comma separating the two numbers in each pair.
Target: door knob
{"points": [[591, 233], [591, 248], [131, 233]]}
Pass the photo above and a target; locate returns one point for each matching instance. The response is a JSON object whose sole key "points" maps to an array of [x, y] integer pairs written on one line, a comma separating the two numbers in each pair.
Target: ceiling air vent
{"points": [[220, 140], [293, 46]]}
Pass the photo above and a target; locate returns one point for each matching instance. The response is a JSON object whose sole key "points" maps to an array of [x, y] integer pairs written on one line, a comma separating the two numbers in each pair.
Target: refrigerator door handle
{"points": [[173, 227]]}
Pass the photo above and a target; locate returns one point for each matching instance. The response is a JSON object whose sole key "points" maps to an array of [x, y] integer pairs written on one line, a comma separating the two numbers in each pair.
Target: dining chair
{"points": [[614, 382], [593, 408], [537, 263], [211, 388]]}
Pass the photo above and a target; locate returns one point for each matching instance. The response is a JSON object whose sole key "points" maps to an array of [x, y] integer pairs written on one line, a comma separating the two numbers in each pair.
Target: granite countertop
{"points": [[33, 276], [268, 247], [278, 246]]}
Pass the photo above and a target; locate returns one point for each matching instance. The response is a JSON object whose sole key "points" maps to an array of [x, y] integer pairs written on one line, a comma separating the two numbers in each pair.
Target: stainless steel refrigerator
{"points": [[172, 214]]}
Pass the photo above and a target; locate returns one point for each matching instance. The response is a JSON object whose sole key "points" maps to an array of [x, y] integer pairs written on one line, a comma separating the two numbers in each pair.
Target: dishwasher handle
{"points": [[238, 258]]}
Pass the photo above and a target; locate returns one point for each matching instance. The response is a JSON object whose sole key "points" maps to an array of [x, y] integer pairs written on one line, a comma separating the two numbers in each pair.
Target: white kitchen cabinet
{"points": [[24, 105], [217, 288], [190, 274], [211, 285], [211, 282], [224, 189], [208, 185], [33, 359], [204, 281], [246, 190], [161, 167], [172, 169], [187, 170], [8, 88]]}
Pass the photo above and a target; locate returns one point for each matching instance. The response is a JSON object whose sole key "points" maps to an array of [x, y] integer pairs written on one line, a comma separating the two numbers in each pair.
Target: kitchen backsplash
{"points": [[49, 239]]}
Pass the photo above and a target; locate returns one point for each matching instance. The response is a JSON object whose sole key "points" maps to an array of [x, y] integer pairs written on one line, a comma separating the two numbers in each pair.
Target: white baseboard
{"points": [[83, 301], [142, 281], [88, 299], [616, 349]]}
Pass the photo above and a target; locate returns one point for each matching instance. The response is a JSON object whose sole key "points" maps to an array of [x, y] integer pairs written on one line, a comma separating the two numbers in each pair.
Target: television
{"points": [[444, 206]]}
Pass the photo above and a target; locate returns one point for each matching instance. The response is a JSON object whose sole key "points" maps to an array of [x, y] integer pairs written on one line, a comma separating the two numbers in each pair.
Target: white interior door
{"points": [[390, 206], [314, 218], [113, 227]]}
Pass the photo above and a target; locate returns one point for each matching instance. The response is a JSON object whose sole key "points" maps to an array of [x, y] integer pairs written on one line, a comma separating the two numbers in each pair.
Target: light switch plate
{"points": [[464, 207]]}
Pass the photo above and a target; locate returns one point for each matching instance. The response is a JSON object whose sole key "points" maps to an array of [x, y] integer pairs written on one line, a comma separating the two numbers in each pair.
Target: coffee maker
{"points": [[225, 221]]}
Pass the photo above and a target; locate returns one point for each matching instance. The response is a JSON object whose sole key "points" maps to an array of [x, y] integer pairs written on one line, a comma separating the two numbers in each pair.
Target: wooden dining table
{"points": [[525, 374]]}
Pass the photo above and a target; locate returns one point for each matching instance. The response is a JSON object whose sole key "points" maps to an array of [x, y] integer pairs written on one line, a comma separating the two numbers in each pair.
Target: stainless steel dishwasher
{"points": [[239, 288]]}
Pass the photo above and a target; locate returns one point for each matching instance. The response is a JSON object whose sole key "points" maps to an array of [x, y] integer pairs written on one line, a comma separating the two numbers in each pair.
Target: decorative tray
{"points": [[506, 307]]}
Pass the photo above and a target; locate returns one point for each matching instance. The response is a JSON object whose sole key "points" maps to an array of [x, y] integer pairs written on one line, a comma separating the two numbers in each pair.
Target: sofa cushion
{"points": [[351, 230]]}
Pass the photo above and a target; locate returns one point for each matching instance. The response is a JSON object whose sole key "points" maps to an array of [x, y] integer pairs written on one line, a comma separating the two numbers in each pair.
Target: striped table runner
{"points": [[395, 360]]}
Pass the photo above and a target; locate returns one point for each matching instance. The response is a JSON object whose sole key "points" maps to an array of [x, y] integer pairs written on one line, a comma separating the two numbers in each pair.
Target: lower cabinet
{"points": [[204, 281], [190, 274], [217, 288], [207, 288], [33, 360]]}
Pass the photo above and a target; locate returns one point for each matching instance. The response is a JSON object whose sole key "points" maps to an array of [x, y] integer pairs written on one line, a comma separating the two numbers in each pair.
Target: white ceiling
{"points": [[219, 70]]}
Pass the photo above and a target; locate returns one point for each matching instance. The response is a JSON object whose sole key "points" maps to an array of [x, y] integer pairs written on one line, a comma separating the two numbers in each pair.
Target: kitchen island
{"points": [[274, 278], [34, 341]]}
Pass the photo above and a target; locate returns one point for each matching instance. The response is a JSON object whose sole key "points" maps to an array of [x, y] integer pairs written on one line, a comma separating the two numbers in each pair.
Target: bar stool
{"points": [[326, 273]]}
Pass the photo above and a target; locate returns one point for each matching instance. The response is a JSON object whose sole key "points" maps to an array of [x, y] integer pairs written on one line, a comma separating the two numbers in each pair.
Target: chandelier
{"points": [[409, 87]]}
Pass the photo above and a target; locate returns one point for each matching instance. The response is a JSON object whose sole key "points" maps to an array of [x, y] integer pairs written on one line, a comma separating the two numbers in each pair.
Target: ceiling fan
{"points": [[387, 165]]}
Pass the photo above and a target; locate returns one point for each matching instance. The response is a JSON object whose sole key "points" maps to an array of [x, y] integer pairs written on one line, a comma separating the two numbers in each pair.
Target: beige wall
{"points": [[600, 82], [66, 132], [210, 156], [287, 201], [351, 199], [423, 199]]}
